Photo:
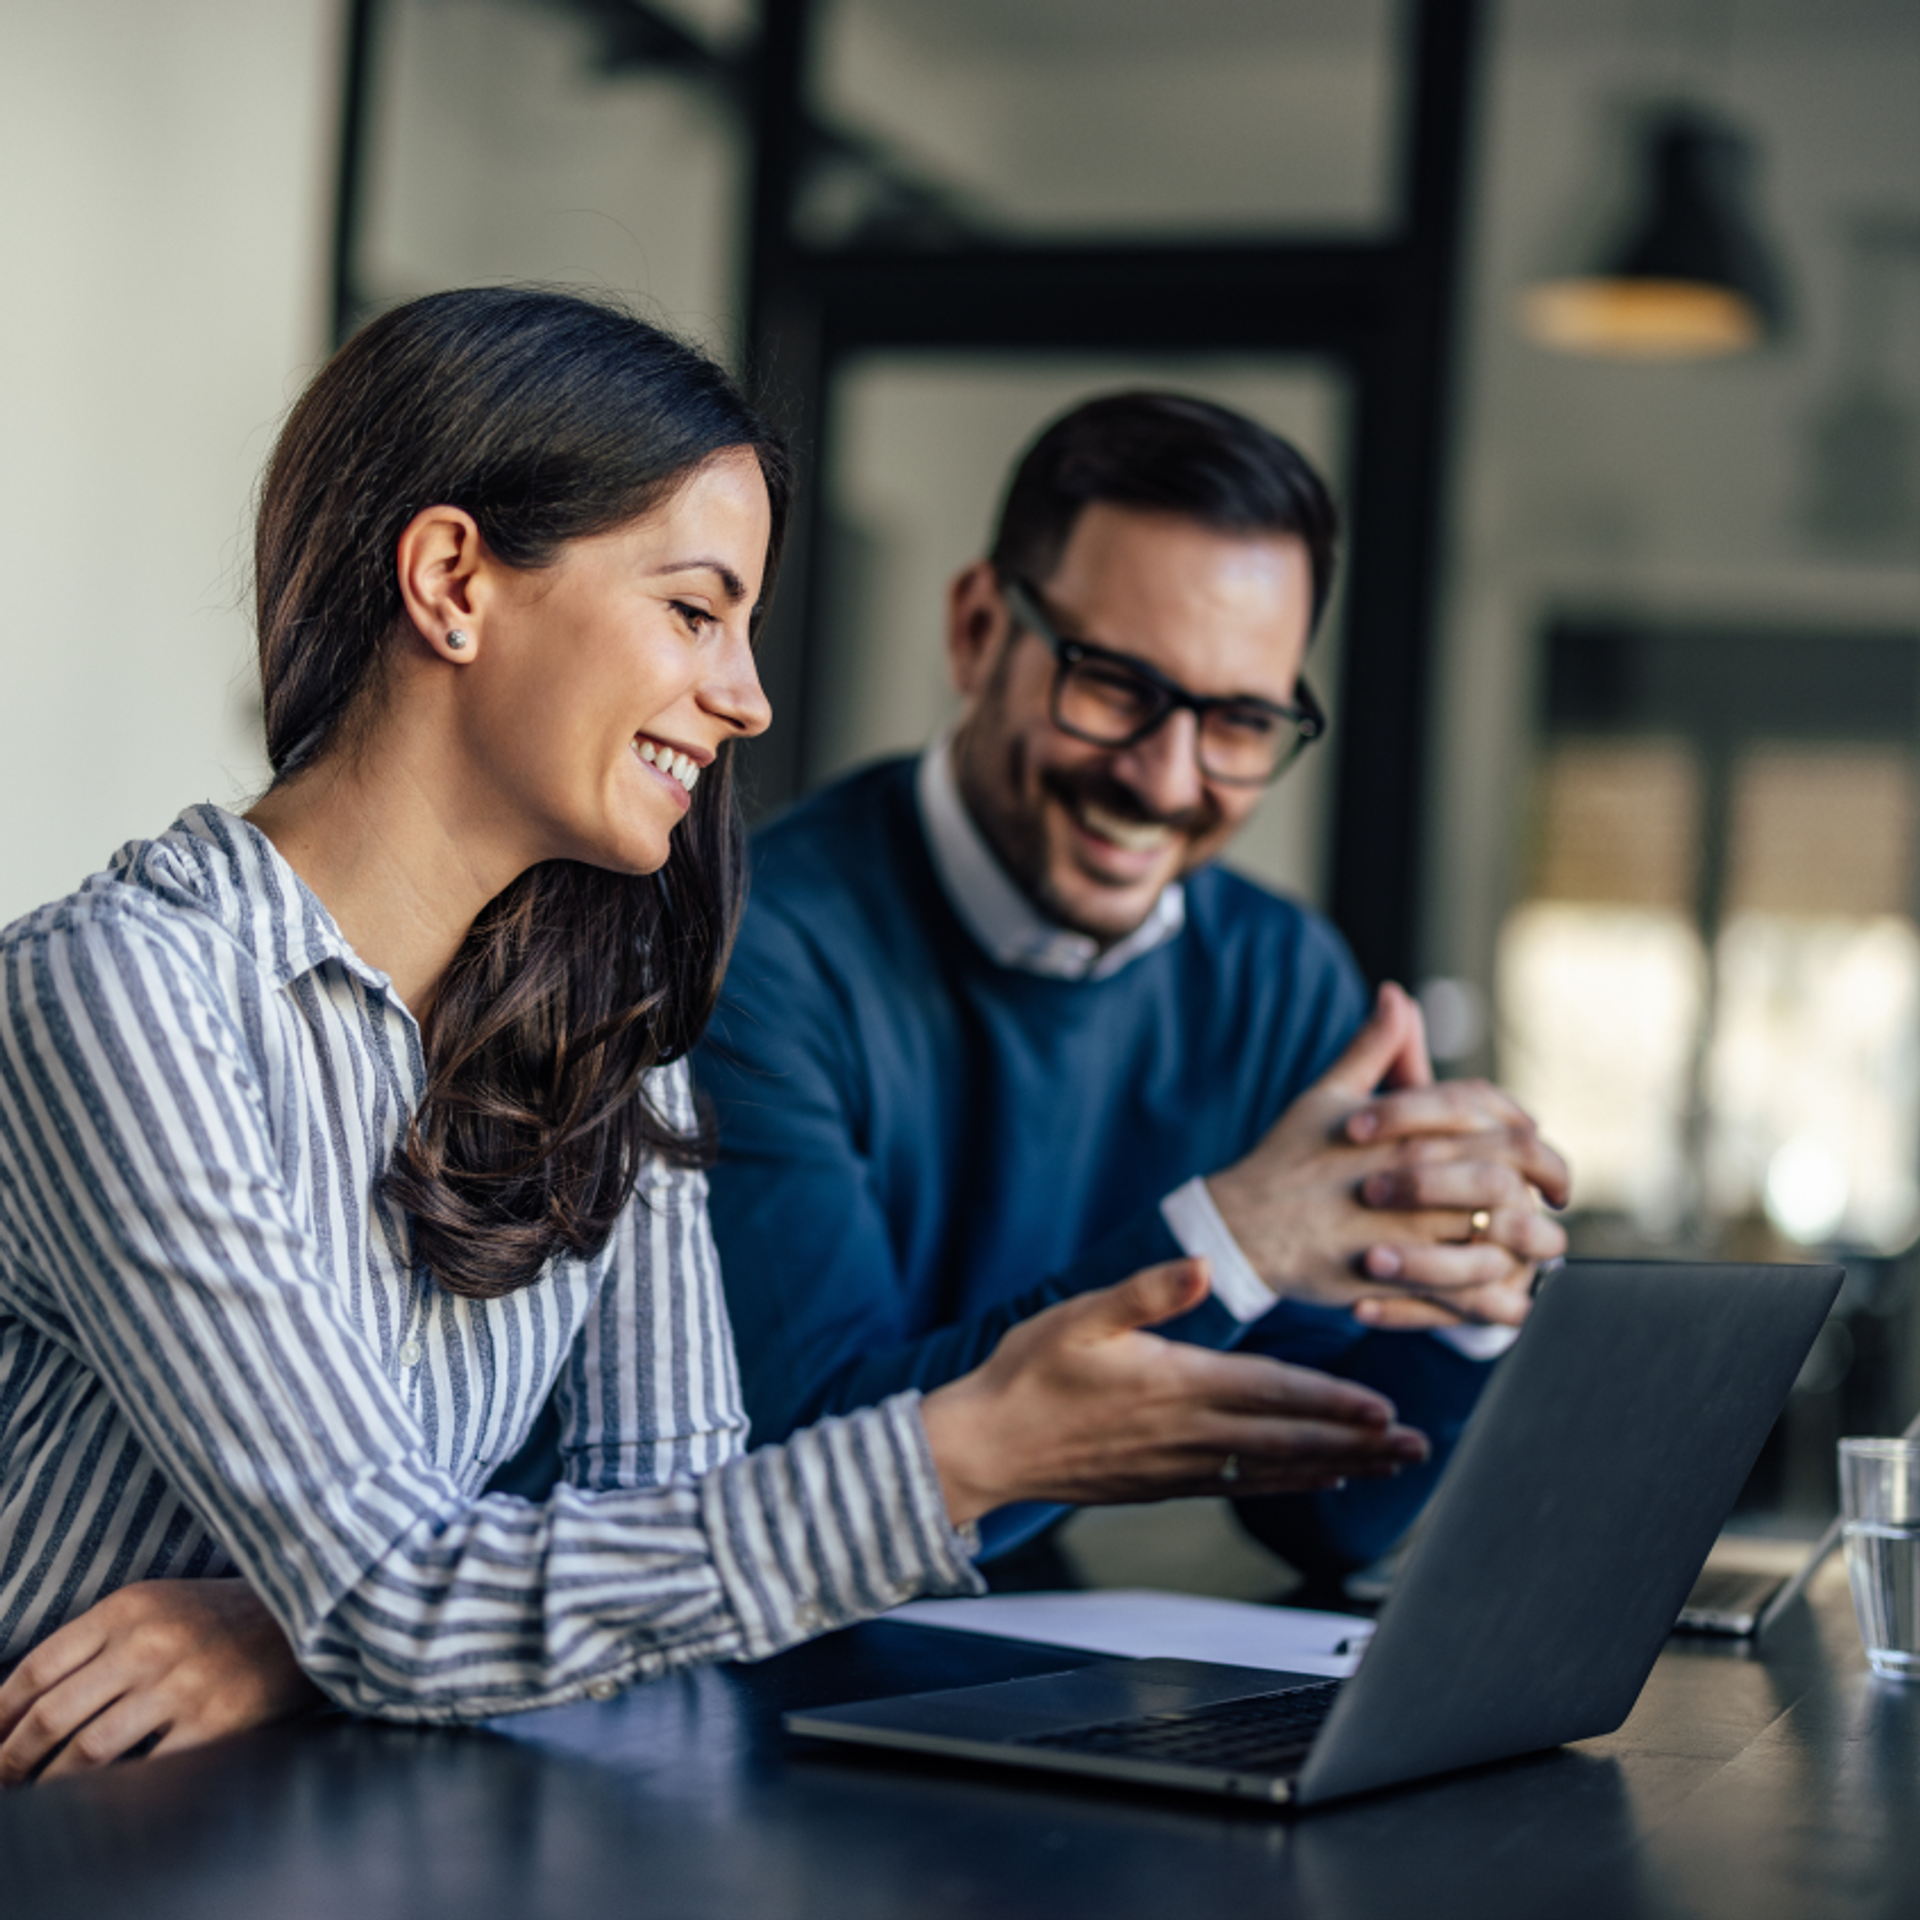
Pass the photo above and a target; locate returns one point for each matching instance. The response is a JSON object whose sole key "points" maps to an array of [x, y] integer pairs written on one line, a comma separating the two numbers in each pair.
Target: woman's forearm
{"points": [[458, 1621]]}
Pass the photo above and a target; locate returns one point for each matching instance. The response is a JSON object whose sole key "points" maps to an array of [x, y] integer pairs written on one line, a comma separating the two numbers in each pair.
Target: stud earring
{"points": [[458, 642]]}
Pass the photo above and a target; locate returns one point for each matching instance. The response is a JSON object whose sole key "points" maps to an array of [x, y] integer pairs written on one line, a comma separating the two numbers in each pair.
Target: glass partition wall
{"points": [[1260, 193], [1087, 119], [598, 146], [1622, 682]]}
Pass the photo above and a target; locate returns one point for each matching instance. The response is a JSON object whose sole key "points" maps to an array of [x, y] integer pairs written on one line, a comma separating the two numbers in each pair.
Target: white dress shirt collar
{"points": [[1009, 928]]}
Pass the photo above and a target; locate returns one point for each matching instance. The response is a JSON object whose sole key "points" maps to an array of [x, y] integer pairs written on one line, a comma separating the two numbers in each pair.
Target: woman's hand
{"points": [[1081, 1404], [183, 1660]]}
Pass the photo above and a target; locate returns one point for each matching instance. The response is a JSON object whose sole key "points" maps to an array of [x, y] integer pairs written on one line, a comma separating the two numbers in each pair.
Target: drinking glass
{"points": [[1880, 1516]]}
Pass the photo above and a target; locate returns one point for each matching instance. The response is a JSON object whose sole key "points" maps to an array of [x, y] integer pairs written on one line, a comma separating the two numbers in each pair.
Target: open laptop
{"points": [[1562, 1542]]}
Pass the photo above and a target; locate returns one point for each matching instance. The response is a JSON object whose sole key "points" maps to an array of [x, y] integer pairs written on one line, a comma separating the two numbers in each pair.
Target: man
{"points": [[998, 1031]]}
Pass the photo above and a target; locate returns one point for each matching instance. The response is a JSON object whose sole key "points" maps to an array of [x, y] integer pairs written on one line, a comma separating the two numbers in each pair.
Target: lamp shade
{"points": [[1692, 278]]}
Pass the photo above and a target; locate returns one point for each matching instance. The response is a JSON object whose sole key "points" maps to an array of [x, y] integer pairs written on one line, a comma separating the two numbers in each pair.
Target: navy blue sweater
{"points": [[920, 1147]]}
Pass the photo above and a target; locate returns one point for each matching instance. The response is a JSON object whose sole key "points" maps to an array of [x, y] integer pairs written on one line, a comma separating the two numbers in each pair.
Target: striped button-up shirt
{"points": [[218, 1356]]}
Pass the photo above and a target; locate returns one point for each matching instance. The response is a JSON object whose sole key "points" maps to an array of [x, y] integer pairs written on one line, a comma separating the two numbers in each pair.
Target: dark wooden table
{"points": [[1787, 1786]]}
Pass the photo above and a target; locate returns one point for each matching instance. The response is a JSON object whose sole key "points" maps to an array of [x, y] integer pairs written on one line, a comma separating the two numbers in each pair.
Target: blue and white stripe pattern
{"points": [[216, 1355]]}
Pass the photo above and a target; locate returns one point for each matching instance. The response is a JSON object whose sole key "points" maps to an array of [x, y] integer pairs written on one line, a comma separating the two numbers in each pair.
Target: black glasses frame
{"points": [[1305, 716]]}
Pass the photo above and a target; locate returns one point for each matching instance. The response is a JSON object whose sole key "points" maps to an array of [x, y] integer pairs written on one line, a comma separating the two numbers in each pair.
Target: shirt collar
{"points": [[224, 866], [1009, 928]]}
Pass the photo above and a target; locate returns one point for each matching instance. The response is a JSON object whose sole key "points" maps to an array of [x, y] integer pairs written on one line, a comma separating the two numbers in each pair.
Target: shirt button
{"points": [[410, 1354], [603, 1689]]}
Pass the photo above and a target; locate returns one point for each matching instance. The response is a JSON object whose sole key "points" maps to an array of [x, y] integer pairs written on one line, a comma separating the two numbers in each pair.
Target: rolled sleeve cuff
{"points": [[1195, 1222], [841, 1522]]}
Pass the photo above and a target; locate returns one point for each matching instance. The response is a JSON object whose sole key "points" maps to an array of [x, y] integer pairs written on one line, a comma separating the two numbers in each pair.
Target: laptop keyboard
{"points": [[1268, 1733]]}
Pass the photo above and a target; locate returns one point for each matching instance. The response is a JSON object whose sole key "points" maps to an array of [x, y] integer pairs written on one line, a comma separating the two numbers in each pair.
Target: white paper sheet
{"points": [[1141, 1624]]}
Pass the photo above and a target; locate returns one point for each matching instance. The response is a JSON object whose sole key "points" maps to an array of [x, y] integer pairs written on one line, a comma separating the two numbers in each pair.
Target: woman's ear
{"points": [[439, 560]]}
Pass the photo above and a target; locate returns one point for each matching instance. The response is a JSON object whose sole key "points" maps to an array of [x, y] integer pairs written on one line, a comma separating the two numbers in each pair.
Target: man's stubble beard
{"points": [[1018, 839], [1018, 834]]}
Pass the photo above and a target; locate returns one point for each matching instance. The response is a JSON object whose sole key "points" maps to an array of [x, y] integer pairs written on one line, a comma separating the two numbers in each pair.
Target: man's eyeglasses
{"points": [[1112, 700]]}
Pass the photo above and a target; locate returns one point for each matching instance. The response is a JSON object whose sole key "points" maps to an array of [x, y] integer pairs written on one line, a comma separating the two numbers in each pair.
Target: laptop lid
{"points": [[1592, 1481]]}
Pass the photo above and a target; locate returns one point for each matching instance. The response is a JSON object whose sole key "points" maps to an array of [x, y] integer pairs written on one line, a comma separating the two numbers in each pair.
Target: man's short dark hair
{"points": [[1162, 453]]}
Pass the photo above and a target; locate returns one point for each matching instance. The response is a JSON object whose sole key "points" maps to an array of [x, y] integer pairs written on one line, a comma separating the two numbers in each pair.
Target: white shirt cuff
{"points": [[1195, 1222]]}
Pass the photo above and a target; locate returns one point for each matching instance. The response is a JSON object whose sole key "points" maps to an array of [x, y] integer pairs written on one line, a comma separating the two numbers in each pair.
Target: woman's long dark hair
{"points": [[547, 418]]}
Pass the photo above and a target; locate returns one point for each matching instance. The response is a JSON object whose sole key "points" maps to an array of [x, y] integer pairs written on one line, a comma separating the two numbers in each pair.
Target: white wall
{"points": [[165, 173]]}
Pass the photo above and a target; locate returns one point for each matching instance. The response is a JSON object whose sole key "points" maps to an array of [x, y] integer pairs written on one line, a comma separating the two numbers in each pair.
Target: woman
{"points": [[335, 1138]]}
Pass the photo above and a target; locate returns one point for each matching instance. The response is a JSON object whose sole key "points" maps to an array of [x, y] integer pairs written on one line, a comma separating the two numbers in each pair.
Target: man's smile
{"points": [[1134, 836]]}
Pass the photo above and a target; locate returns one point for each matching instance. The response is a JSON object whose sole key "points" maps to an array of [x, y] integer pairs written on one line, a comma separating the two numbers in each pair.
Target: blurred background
{"points": [[1603, 315]]}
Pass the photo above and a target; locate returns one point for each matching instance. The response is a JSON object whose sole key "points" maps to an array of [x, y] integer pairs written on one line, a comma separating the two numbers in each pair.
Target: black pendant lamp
{"points": [[1692, 278]]}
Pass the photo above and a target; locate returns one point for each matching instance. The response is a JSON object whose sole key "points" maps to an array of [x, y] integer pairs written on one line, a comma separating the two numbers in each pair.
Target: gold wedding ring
{"points": [[1230, 1468], [1479, 1223]]}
